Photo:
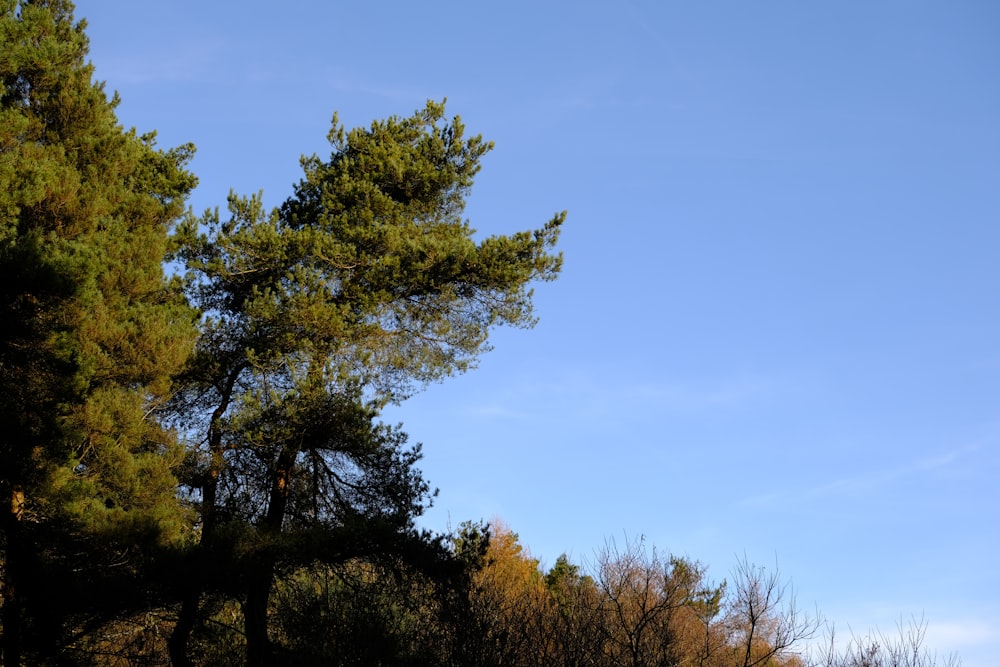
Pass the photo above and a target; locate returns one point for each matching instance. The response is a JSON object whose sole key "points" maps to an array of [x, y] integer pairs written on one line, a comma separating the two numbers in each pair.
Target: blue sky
{"points": [[776, 333]]}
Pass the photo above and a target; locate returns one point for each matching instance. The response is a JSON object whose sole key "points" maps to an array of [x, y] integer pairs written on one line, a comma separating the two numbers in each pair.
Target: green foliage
{"points": [[561, 573], [471, 544], [369, 266], [86, 210], [92, 330]]}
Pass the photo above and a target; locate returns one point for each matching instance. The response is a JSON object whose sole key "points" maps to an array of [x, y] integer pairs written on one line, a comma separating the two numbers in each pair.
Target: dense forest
{"points": [[192, 462]]}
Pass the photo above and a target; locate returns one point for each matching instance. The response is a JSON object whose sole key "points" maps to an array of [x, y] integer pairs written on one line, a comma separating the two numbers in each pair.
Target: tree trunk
{"points": [[187, 617], [177, 643], [262, 577], [255, 614]]}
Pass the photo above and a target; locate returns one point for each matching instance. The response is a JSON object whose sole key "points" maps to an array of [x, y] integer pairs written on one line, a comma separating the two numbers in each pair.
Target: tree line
{"points": [[193, 469]]}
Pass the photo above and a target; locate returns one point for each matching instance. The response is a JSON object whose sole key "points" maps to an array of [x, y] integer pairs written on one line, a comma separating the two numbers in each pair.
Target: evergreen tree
{"points": [[364, 285], [90, 334]]}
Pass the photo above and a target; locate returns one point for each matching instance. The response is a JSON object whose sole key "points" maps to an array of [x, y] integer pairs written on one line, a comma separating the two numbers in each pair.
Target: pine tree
{"points": [[366, 284], [90, 335]]}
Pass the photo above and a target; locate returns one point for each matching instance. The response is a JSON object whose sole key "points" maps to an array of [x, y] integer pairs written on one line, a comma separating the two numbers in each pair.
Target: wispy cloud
{"points": [[193, 62], [867, 482], [957, 633], [393, 91], [497, 411], [732, 393], [589, 397]]}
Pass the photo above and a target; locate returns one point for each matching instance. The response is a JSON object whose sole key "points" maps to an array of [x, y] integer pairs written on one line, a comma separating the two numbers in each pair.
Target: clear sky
{"points": [[777, 332]]}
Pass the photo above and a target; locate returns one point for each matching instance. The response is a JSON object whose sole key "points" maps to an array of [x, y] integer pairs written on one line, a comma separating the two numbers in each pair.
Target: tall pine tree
{"points": [[364, 285], [90, 335]]}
